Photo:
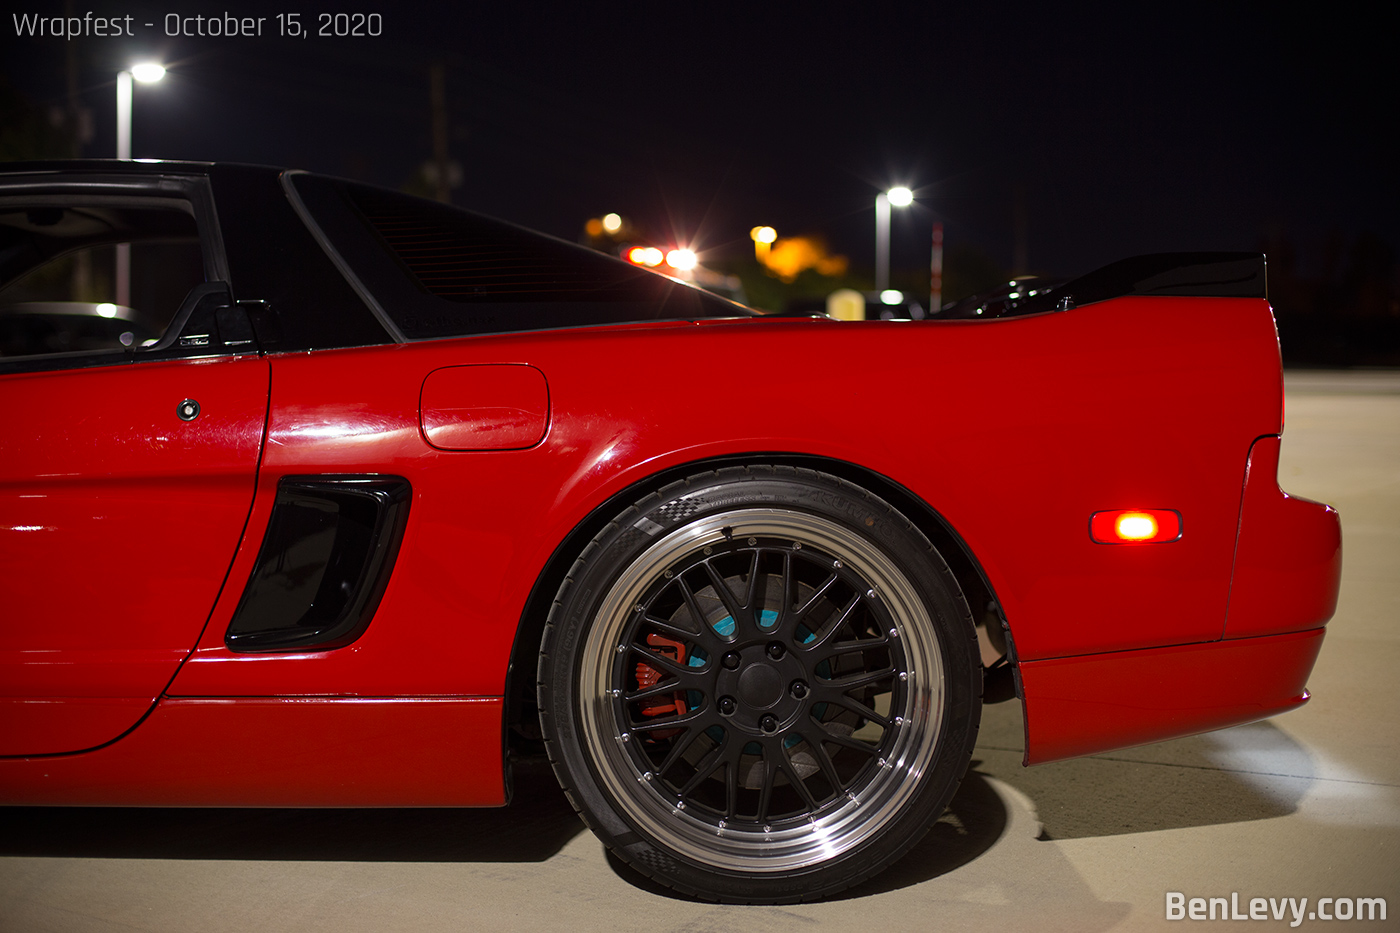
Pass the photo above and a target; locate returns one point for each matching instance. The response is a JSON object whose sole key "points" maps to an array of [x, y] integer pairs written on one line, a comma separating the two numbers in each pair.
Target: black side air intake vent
{"points": [[329, 549]]}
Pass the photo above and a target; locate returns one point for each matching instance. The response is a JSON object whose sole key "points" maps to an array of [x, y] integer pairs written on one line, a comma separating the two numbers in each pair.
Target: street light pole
{"points": [[882, 241], [145, 73], [935, 270], [123, 115], [899, 197]]}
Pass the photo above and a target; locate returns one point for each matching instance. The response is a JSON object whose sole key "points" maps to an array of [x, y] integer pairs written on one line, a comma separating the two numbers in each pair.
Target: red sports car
{"points": [[316, 494]]}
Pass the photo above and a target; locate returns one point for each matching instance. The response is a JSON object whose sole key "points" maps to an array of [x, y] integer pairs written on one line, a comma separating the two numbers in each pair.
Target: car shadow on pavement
{"points": [[537, 824], [973, 823], [1251, 772]]}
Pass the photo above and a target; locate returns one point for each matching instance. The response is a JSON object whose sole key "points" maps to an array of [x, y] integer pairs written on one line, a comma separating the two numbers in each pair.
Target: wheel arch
{"points": [[520, 702]]}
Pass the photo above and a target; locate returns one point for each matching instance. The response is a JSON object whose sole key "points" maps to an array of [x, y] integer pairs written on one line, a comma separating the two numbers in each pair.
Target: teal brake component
{"points": [[697, 659], [766, 619]]}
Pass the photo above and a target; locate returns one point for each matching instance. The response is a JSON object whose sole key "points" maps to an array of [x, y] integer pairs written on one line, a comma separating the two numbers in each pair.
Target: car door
{"points": [[132, 409]]}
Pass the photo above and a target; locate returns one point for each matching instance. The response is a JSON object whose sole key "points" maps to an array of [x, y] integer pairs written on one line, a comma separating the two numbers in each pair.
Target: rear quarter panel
{"points": [[1013, 430]]}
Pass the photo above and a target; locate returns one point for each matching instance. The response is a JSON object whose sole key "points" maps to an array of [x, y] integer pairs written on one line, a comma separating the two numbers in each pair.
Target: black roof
{"points": [[108, 166]]}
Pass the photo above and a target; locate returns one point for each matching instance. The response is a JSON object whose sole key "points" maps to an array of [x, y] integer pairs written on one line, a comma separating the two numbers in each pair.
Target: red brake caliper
{"points": [[648, 676]]}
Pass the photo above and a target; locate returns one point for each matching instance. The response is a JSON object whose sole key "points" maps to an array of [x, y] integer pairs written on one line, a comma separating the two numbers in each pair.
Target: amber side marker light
{"points": [[1135, 526]]}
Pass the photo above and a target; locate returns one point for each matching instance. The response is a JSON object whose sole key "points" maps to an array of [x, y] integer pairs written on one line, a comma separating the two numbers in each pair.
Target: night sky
{"points": [[1120, 130]]}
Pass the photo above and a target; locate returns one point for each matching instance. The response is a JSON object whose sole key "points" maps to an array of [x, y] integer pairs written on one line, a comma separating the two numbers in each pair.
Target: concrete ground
{"points": [[1303, 806]]}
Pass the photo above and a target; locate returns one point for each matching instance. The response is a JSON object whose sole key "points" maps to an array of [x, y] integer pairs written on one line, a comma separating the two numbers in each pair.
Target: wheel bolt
{"points": [[730, 660], [798, 689], [776, 650], [768, 724], [727, 706]]}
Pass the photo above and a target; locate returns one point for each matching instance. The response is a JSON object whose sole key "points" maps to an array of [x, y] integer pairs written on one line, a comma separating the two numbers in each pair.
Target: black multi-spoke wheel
{"points": [[760, 685]]}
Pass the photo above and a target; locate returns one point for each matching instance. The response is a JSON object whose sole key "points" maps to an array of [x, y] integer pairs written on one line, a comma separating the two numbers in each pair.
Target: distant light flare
{"points": [[682, 259], [900, 196], [648, 256], [763, 235], [612, 222], [791, 256]]}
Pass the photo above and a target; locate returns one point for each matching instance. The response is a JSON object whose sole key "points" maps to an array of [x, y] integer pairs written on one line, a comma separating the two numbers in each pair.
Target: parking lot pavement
{"points": [[1305, 805]]}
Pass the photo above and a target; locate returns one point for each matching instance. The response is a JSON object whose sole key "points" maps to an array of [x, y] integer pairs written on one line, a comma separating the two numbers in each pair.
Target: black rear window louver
{"points": [[463, 257], [435, 270]]}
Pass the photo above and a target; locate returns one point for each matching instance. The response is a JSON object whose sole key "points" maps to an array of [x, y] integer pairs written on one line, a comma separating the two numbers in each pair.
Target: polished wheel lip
{"points": [[749, 847]]}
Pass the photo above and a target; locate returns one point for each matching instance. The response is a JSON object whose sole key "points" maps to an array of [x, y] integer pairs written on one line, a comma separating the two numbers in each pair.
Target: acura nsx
{"points": [[317, 494]]}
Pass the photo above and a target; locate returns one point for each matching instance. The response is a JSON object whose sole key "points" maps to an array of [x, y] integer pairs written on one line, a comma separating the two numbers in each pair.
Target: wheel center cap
{"points": [[760, 686]]}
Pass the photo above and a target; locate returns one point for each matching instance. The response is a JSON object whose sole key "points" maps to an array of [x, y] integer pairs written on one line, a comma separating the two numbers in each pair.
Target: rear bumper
{"points": [[1093, 703], [1287, 573], [1288, 555]]}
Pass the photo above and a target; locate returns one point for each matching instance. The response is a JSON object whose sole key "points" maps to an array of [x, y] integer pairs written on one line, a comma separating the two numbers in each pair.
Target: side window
{"points": [[85, 278]]}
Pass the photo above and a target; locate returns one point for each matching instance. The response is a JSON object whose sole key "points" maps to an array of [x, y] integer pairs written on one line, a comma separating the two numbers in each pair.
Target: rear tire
{"points": [[760, 685]]}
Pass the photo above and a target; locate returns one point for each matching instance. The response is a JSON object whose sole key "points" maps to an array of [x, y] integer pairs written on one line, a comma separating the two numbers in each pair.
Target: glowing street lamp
{"points": [[146, 73], [899, 197], [763, 239]]}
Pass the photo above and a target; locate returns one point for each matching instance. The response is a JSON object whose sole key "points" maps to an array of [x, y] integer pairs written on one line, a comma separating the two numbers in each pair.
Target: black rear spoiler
{"points": [[1212, 275]]}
